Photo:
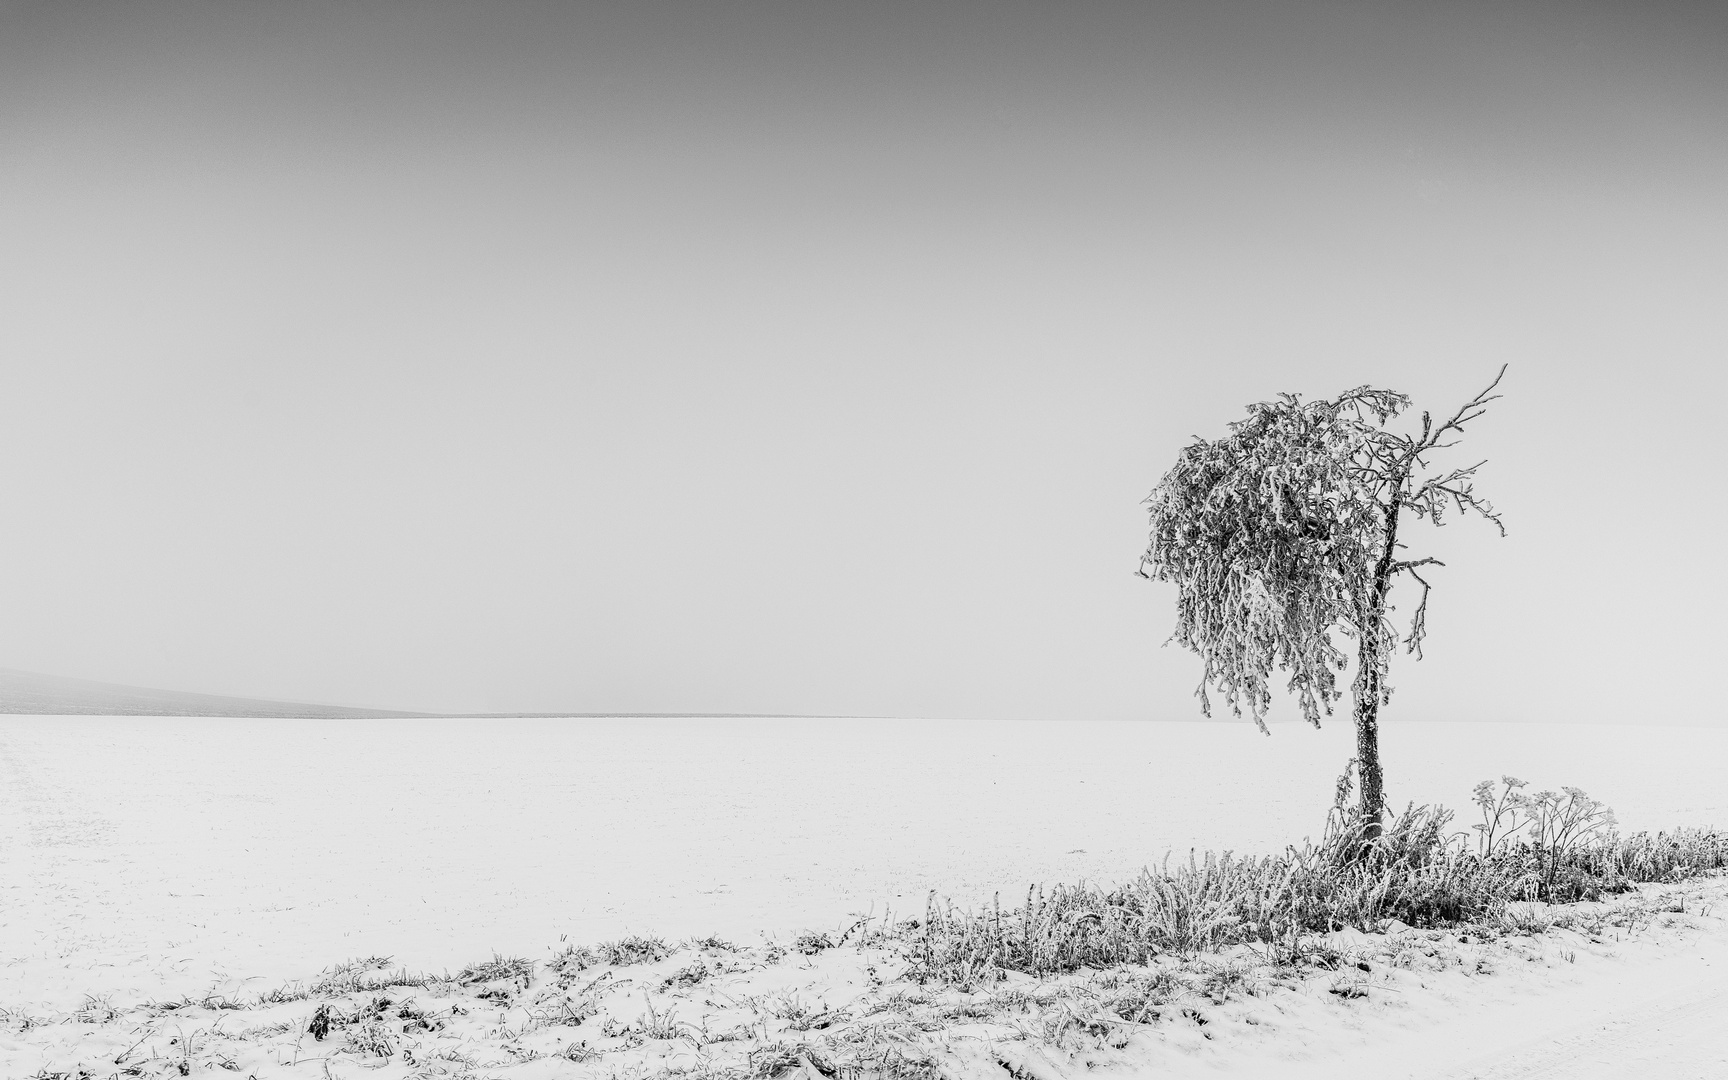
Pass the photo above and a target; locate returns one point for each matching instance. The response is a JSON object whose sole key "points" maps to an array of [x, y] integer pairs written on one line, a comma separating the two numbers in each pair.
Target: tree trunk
{"points": [[1371, 780], [1369, 690]]}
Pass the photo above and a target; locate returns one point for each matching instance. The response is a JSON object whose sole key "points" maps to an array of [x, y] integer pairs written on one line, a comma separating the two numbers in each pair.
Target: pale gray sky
{"points": [[814, 358]]}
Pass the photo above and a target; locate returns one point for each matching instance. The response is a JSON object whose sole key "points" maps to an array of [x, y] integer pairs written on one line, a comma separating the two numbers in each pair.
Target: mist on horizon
{"points": [[814, 359]]}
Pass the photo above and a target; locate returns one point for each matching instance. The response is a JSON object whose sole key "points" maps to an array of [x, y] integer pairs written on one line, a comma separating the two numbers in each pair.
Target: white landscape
{"points": [[505, 506], [159, 869]]}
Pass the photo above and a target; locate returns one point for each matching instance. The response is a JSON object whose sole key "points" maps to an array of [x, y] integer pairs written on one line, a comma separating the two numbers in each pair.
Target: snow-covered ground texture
{"points": [[1635, 986], [146, 862]]}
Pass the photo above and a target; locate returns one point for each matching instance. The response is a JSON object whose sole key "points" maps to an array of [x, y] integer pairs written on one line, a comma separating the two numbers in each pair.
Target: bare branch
{"points": [[1412, 564], [1470, 410], [1419, 621]]}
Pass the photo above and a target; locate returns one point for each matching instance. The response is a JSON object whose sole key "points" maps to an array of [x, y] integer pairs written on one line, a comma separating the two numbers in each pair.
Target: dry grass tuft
{"points": [[632, 950], [499, 968]]}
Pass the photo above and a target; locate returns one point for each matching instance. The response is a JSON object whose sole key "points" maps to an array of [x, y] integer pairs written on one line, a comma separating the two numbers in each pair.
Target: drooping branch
{"points": [[1418, 621], [1267, 533], [1457, 489]]}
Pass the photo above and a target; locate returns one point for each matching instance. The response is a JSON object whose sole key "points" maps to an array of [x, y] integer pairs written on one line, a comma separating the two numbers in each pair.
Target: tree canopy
{"points": [[1283, 535]]}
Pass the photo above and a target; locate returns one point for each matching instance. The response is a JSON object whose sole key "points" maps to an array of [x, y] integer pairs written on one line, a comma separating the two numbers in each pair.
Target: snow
{"points": [[148, 858]]}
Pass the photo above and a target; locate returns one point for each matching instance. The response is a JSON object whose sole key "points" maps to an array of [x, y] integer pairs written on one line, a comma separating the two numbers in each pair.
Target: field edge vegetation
{"points": [[1074, 977]]}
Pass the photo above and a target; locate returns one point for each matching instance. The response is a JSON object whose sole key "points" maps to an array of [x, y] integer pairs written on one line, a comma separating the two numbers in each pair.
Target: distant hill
{"points": [[26, 692]]}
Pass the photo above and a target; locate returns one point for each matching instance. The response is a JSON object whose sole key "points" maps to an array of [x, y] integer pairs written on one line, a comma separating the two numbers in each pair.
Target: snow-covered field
{"points": [[145, 852], [151, 858]]}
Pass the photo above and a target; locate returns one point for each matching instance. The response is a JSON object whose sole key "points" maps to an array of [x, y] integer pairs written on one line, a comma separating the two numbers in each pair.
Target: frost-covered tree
{"points": [[1283, 536]]}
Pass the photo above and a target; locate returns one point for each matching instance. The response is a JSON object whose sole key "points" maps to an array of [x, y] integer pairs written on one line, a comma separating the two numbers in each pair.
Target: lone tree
{"points": [[1284, 533]]}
